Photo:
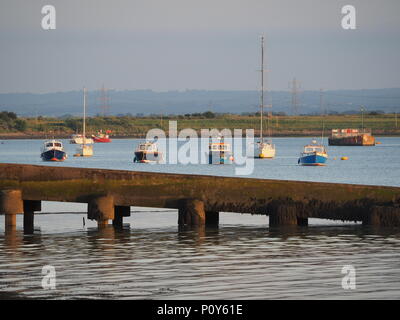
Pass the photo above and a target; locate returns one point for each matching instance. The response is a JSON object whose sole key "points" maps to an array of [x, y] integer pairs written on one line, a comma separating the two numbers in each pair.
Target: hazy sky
{"points": [[197, 44]]}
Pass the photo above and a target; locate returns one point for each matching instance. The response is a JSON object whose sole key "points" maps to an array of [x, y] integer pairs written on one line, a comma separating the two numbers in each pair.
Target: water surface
{"points": [[151, 258]]}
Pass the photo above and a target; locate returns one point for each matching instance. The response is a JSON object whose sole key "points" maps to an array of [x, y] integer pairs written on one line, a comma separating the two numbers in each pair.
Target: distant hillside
{"points": [[180, 102]]}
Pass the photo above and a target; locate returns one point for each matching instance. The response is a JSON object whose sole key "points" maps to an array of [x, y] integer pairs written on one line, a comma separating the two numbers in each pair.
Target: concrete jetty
{"points": [[198, 198]]}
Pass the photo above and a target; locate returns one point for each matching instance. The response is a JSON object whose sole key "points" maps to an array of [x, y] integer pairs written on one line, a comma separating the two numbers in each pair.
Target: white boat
{"points": [[84, 149], [264, 149], [53, 150], [147, 152], [78, 139]]}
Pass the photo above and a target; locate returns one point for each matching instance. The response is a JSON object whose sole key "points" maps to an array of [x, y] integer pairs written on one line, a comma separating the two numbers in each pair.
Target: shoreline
{"points": [[62, 136]]}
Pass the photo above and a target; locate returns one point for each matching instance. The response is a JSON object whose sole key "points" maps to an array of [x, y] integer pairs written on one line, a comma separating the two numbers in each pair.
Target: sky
{"points": [[191, 44]]}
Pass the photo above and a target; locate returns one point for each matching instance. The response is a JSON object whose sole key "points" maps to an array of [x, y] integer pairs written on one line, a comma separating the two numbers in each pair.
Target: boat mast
{"points": [[84, 116], [262, 89], [321, 103]]}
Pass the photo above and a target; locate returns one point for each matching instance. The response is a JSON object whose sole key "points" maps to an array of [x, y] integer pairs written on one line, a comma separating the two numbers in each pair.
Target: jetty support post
{"points": [[192, 213], [382, 216], [212, 218], [119, 213], [282, 213], [30, 206], [101, 209], [11, 204]]}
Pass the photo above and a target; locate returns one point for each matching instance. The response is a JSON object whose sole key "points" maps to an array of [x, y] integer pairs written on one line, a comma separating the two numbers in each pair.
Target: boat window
{"points": [[50, 144], [57, 144], [314, 149]]}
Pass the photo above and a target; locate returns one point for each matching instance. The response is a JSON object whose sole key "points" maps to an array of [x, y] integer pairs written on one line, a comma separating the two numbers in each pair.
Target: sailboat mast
{"points": [[262, 88], [84, 115], [321, 102]]}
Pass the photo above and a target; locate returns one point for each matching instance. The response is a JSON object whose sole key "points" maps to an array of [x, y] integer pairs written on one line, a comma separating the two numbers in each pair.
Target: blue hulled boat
{"points": [[53, 150], [313, 155]]}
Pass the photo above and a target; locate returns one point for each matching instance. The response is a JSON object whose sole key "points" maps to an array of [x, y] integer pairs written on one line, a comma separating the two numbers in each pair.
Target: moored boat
{"points": [[101, 137], [78, 139], [53, 150], [84, 149], [147, 152], [351, 137], [313, 155], [219, 152], [264, 149]]}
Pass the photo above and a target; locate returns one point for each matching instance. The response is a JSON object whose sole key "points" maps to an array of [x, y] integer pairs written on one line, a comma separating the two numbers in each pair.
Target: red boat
{"points": [[102, 137]]}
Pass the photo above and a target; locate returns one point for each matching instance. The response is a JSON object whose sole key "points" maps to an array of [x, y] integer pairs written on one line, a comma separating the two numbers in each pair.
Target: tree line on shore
{"points": [[140, 124]]}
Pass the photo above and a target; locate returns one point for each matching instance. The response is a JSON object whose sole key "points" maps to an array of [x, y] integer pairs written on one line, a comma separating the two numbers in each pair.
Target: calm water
{"points": [[242, 259]]}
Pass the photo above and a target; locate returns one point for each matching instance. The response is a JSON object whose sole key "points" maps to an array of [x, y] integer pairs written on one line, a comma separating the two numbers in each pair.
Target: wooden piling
{"points": [[191, 213], [11, 204], [282, 214], [212, 218], [101, 209], [30, 206], [119, 213], [303, 222], [382, 216]]}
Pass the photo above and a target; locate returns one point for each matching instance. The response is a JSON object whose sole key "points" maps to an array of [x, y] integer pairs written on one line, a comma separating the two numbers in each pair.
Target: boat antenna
{"points": [[262, 88]]}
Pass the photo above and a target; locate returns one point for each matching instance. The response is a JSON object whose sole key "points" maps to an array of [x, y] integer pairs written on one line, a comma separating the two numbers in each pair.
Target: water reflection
{"points": [[246, 262]]}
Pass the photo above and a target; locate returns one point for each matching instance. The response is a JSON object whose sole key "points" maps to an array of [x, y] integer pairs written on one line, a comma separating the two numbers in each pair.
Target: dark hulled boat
{"points": [[147, 152], [53, 150]]}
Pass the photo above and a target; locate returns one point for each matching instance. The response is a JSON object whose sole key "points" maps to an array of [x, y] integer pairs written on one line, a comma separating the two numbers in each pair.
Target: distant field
{"points": [[382, 124]]}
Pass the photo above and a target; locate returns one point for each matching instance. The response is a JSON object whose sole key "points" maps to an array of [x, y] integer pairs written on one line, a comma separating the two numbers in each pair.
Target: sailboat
{"points": [[264, 149], [84, 149]]}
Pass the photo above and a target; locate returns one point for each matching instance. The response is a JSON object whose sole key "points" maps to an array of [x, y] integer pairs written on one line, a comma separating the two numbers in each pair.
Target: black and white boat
{"points": [[147, 152], [53, 150]]}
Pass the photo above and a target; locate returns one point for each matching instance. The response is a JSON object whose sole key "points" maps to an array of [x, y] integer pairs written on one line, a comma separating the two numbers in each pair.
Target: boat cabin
{"points": [[52, 144], [314, 148], [220, 147], [147, 147]]}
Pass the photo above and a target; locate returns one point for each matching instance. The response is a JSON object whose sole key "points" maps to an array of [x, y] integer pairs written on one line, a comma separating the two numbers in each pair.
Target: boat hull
{"points": [[217, 157], [147, 157], [358, 140], [101, 140], [80, 141], [312, 160], [53, 155], [264, 150], [264, 153]]}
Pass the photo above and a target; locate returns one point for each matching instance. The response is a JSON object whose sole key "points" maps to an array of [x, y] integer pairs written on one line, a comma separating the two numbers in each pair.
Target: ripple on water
{"points": [[226, 263]]}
